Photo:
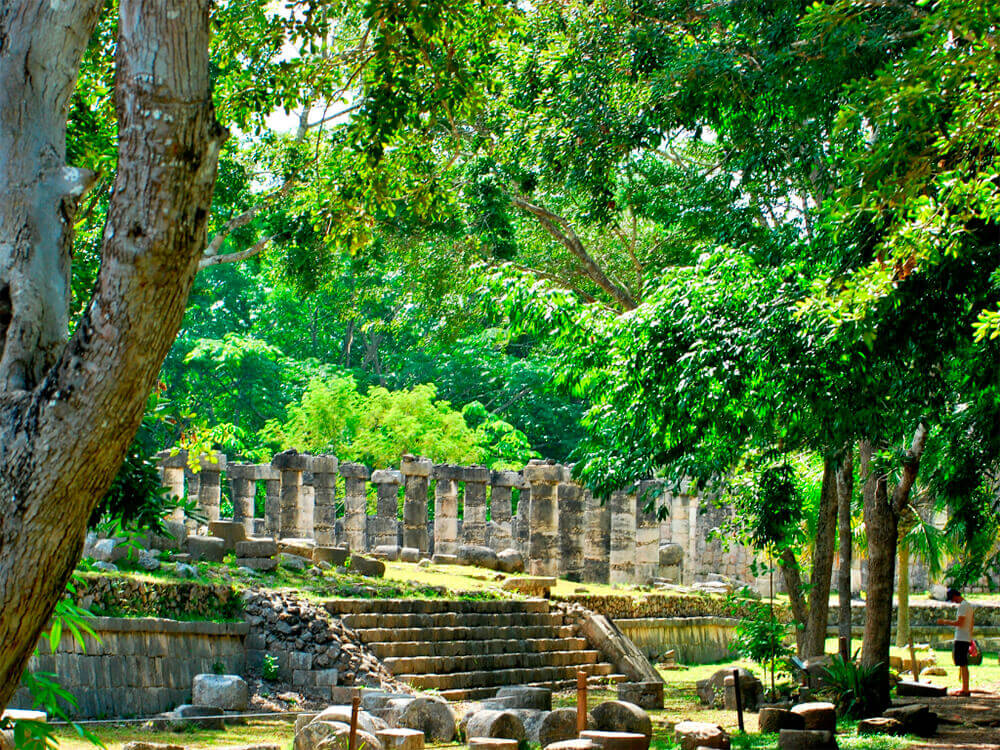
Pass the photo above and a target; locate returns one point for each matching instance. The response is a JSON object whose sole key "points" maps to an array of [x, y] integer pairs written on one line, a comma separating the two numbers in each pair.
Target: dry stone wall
{"points": [[556, 524]]}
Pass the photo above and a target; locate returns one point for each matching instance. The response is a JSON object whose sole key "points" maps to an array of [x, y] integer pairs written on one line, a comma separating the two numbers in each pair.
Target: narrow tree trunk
{"points": [[903, 598], [792, 577], [845, 493], [882, 514], [814, 641], [62, 441]]}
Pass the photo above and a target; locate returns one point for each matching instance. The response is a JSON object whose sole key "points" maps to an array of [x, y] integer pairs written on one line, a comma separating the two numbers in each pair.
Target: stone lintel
{"points": [[172, 460], [324, 464], [353, 471], [478, 474], [449, 472], [412, 466], [387, 476], [291, 460], [506, 479], [543, 473]]}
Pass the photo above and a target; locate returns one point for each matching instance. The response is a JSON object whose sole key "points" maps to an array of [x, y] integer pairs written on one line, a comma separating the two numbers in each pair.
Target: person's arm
{"points": [[949, 623]]}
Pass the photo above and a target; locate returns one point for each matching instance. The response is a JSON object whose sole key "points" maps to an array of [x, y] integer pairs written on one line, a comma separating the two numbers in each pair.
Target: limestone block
{"points": [[230, 532], [881, 725], [619, 716], [491, 743], [331, 555], [646, 695], [691, 735], [488, 723], [401, 739], [290, 460], [294, 546], [574, 745], [772, 720], [201, 717], [293, 562], [342, 714], [259, 547], [226, 691], [109, 550], [263, 564], [387, 476], [538, 471], [442, 559], [430, 715], [806, 739], [207, 548], [917, 719], [366, 566], [510, 561], [616, 740], [817, 715], [537, 698], [413, 466], [479, 556], [671, 554], [560, 726], [410, 554]]}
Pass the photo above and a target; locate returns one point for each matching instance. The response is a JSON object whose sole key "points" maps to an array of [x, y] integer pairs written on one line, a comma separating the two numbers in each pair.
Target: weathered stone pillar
{"points": [[272, 499], [622, 556], [386, 529], [647, 533], [474, 507], [172, 477], [307, 504], [520, 527], [571, 528], [324, 470], [543, 543], [500, 530], [679, 531], [355, 506], [416, 473], [210, 471], [242, 488], [446, 508], [597, 539], [291, 464]]}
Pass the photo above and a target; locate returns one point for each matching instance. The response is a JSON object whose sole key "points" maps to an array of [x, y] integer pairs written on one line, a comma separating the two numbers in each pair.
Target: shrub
{"points": [[852, 687]]}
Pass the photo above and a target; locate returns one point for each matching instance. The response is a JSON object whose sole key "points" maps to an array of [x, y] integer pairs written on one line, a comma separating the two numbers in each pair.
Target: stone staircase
{"points": [[469, 649]]}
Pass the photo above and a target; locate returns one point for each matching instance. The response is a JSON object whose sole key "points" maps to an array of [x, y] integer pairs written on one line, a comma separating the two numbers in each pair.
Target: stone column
{"points": [[679, 528], [172, 477], [597, 540], [500, 536], [242, 488], [543, 522], [571, 528], [621, 560], [210, 484], [291, 464], [355, 506], [520, 527], [386, 530], [474, 508], [307, 504], [647, 533], [416, 473], [446, 508], [324, 470], [272, 499]]}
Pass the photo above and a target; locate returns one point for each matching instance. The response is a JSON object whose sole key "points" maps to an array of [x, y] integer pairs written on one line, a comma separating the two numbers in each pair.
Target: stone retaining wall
{"points": [[923, 613], [660, 606], [122, 596], [140, 666], [697, 640]]}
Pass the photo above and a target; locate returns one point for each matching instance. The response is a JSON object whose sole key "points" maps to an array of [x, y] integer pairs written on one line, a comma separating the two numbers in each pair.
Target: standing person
{"points": [[963, 637]]}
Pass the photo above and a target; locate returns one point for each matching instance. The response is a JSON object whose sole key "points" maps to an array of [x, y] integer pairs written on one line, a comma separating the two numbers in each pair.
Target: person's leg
{"points": [[964, 672]]}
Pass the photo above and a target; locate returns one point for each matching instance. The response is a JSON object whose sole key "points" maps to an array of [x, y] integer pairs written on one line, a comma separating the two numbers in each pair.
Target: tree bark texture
{"points": [[71, 409], [845, 492], [814, 641], [882, 513], [903, 597], [792, 576]]}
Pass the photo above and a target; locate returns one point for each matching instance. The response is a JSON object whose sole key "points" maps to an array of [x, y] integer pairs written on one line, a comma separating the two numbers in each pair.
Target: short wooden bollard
{"points": [[739, 699], [352, 738], [581, 702]]}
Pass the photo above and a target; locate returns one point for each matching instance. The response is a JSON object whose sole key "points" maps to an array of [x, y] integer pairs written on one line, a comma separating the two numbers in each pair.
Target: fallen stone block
{"points": [[366, 566], [910, 689], [917, 718], [503, 724], [263, 564], [510, 561], [151, 746], [439, 558], [430, 715], [560, 726], [201, 717], [206, 548], [478, 556], [772, 720], [265, 547], [574, 745], [619, 716], [388, 552], [294, 562], [331, 555], [230, 532], [818, 715], [806, 739], [691, 735], [647, 695], [537, 698], [342, 714], [226, 691], [401, 739], [881, 725], [616, 740], [539, 586], [409, 554], [491, 743]]}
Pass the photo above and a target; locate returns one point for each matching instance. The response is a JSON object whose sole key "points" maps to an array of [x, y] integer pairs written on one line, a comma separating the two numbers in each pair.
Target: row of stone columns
{"points": [[559, 526]]}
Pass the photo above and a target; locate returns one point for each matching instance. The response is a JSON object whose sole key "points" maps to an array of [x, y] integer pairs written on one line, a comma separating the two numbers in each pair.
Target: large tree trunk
{"points": [[882, 513], [814, 641], [70, 411], [792, 577], [845, 493]]}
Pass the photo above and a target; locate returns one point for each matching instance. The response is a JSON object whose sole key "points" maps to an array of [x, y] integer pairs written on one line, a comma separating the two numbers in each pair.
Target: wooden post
{"points": [[581, 702], [913, 660], [739, 699], [352, 738]]}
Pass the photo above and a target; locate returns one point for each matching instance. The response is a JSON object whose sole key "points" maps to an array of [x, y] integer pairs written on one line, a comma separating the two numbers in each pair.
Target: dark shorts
{"points": [[960, 653]]}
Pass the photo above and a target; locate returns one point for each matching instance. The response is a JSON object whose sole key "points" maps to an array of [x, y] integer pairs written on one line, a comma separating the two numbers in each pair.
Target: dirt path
{"points": [[971, 723]]}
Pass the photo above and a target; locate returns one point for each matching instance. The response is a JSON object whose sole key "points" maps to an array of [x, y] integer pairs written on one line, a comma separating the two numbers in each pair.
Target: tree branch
{"points": [[563, 232], [215, 260]]}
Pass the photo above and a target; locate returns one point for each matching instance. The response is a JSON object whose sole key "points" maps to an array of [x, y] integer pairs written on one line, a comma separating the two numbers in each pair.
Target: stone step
{"points": [[452, 620], [409, 665], [396, 649], [339, 607], [386, 634], [501, 677], [483, 693]]}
